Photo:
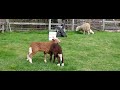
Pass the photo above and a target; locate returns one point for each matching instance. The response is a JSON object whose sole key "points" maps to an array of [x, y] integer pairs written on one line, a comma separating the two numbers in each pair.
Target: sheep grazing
{"points": [[57, 51], [40, 46], [85, 28]]}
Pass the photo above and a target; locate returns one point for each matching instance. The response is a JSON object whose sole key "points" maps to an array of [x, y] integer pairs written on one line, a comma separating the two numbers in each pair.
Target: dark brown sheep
{"points": [[57, 51]]}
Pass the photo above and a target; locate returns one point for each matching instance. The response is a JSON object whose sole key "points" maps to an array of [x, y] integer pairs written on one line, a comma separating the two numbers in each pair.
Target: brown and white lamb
{"points": [[85, 28], [40, 47]]}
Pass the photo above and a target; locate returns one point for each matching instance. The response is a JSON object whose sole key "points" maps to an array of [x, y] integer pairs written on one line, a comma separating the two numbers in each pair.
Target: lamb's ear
{"points": [[53, 39]]}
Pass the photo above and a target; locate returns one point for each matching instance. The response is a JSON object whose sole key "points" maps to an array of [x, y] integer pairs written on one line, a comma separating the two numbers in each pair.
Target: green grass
{"points": [[98, 52]]}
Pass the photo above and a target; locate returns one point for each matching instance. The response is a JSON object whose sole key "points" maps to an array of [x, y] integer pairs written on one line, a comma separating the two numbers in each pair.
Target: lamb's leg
{"points": [[29, 52], [62, 61], [29, 55], [54, 57], [50, 57], [88, 32], [58, 61], [45, 57], [84, 32]]}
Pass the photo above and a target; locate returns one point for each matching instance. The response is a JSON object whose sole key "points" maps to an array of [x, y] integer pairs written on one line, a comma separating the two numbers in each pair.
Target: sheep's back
{"points": [[86, 26], [56, 48], [41, 46]]}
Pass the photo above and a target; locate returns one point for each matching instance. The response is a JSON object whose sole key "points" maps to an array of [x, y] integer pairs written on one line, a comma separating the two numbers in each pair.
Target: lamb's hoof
{"points": [[62, 64], [58, 64]]}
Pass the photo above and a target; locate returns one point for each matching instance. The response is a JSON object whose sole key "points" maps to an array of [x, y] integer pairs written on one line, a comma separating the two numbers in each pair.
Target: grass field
{"points": [[98, 52]]}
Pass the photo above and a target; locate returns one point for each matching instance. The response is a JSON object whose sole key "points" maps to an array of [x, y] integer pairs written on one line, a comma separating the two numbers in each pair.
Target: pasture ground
{"points": [[98, 52]]}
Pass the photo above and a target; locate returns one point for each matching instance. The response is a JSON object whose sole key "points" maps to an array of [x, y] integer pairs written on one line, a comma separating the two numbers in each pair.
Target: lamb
{"points": [[57, 51], [40, 46], [85, 28]]}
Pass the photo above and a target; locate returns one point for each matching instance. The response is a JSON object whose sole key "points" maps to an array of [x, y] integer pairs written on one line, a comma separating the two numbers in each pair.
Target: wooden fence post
{"points": [[103, 24], [73, 24], [49, 27], [8, 25]]}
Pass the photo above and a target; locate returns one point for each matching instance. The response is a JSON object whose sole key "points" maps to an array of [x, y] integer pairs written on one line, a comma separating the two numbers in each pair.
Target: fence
{"points": [[71, 24], [111, 25]]}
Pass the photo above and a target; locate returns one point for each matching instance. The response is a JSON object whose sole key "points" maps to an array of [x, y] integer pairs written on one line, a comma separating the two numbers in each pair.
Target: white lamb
{"points": [[85, 28]]}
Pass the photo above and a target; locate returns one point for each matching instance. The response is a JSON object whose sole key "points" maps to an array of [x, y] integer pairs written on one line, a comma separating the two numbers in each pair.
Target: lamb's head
{"points": [[56, 40], [91, 31], [78, 28]]}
